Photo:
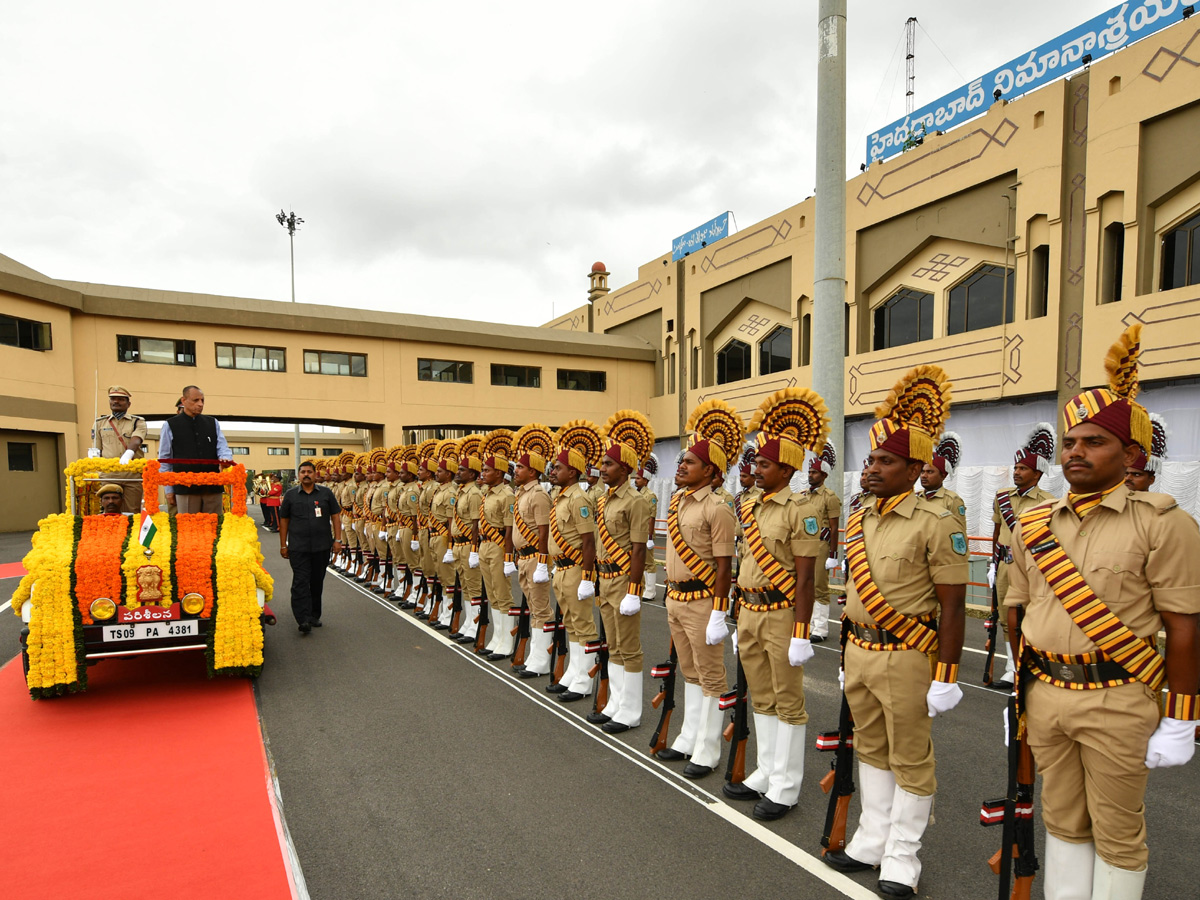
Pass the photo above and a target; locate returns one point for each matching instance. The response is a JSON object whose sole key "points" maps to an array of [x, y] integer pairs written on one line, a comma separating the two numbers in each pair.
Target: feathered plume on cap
{"points": [[377, 462], [649, 468], [447, 455], [409, 462], [789, 422], [717, 431], [345, 462], [1158, 447], [533, 446], [1114, 408], [748, 454], [1038, 452], [470, 452], [361, 461], [826, 461], [947, 454], [914, 414], [630, 438], [497, 449], [392, 457], [580, 444], [425, 454]]}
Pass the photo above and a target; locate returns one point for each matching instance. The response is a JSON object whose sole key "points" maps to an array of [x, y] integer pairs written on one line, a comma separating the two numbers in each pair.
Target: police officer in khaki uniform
{"points": [[533, 446], [1092, 716], [700, 544], [440, 516], [945, 460], [573, 551], [432, 581], [641, 481], [496, 542], [780, 549], [111, 501], [121, 435], [464, 538], [1140, 475], [407, 546], [829, 520], [1031, 462], [905, 608]]}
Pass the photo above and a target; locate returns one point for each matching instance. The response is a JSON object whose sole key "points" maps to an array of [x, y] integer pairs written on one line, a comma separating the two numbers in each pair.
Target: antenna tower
{"points": [[910, 62]]}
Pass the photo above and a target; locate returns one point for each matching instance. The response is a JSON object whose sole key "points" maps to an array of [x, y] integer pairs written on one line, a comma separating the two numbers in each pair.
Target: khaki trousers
{"points": [[886, 690], [577, 614], [132, 497], [622, 633], [438, 545], [537, 595], [1090, 749], [199, 503], [700, 663], [470, 579], [1001, 593], [350, 533], [428, 564], [402, 549], [821, 579], [776, 686], [491, 567]]}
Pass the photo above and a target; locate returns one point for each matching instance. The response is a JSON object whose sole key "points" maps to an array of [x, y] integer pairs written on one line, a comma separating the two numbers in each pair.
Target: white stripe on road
{"points": [[5, 606], [716, 805]]}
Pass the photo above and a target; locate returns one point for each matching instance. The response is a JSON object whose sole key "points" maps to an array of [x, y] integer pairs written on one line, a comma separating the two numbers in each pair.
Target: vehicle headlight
{"points": [[103, 608], [192, 603]]}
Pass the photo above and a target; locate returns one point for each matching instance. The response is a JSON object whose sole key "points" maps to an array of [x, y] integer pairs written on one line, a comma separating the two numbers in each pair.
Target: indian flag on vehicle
{"points": [[148, 530]]}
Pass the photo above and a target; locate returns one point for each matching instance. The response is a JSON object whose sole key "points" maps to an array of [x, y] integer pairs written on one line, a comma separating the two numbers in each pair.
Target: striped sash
{"points": [[614, 553], [907, 629], [527, 531], [701, 569], [438, 527], [781, 579], [490, 532], [1089, 612], [1004, 504], [574, 554]]}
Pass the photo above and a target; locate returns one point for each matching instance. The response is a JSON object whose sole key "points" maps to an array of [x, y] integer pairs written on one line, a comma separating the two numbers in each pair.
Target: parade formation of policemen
{"points": [[1086, 582]]}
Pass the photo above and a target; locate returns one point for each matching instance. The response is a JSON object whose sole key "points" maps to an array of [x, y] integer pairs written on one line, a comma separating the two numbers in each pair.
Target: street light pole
{"points": [[292, 222]]}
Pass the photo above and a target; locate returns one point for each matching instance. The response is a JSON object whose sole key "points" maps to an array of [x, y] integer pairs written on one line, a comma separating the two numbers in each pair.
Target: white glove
{"points": [[631, 605], [383, 535], [541, 575], [800, 651], [449, 557], [717, 630], [510, 569], [733, 637], [650, 544], [414, 545], [473, 560], [842, 680], [126, 457], [1172, 744], [942, 698], [587, 590], [831, 563], [991, 575], [1005, 717], [93, 453]]}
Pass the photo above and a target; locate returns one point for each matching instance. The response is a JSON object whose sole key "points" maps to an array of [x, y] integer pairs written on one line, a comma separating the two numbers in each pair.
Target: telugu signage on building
{"points": [[1107, 32], [712, 230]]}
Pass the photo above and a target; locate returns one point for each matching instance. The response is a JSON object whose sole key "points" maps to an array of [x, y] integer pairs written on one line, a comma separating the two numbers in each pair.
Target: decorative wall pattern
{"points": [[744, 244], [939, 266], [1163, 62]]}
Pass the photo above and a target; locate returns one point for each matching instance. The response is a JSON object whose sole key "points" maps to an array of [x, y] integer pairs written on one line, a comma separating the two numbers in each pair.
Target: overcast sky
{"points": [[468, 159]]}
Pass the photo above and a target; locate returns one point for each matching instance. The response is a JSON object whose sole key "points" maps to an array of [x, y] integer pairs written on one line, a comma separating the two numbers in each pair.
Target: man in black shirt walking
{"points": [[309, 520]]}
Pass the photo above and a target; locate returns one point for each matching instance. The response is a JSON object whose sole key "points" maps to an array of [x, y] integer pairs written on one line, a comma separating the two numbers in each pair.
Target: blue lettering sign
{"points": [[700, 237]]}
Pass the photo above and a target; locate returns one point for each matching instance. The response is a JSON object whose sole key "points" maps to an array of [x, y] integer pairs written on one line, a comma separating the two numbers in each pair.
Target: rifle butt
{"points": [[559, 666], [836, 839], [601, 696], [1022, 887], [659, 741], [522, 649], [737, 772]]}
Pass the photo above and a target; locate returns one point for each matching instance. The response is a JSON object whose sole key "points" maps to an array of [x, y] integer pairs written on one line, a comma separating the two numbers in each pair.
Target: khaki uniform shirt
{"points": [[497, 507], [408, 503], [723, 495], [574, 515], [1020, 504], [912, 548], [466, 507], [950, 501], [442, 505], [534, 506], [789, 526], [106, 440], [652, 503], [371, 499], [425, 497], [706, 524], [1138, 551], [750, 495], [595, 492], [626, 517], [831, 508], [381, 503]]}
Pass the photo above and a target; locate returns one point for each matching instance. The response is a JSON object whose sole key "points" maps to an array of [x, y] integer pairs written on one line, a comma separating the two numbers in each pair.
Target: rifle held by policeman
{"points": [[664, 698], [600, 667], [738, 729], [484, 620], [991, 626], [1015, 862], [521, 631], [558, 645]]}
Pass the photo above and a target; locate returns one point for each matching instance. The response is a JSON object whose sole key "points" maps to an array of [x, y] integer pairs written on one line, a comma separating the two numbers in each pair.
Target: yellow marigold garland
{"points": [[237, 638], [135, 558], [83, 468]]}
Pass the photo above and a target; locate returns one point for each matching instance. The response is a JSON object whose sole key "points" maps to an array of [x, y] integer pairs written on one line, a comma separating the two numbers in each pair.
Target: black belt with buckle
{"points": [[687, 587], [460, 540], [525, 552], [762, 598], [564, 562], [873, 634], [1081, 673], [608, 568]]}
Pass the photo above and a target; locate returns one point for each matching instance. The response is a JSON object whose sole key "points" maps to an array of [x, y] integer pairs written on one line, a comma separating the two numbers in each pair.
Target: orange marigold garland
{"points": [[97, 565], [233, 477], [195, 541]]}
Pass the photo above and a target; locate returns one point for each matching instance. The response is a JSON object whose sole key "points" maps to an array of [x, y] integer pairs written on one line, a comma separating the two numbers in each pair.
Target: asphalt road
{"points": [[410, 768]]}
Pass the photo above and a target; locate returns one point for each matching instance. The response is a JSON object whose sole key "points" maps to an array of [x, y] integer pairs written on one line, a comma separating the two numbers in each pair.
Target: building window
{"points": [[733, 362], [516, 376], [308, 451], [806, 339], [1039, 281], [1181, 255], [445, 370], [158, 351], [279, 451], [255, 359], [695, 367], [328, 362], [24, 333], [331, 451], [240, 451], [983, 299], [775, 351], [671, 375], [21, 457], [1112, 260], [904, 318], [582, 380]]}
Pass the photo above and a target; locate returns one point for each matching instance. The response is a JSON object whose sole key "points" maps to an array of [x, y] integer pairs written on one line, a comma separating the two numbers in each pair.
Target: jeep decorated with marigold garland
{"points": [[103, 586]]}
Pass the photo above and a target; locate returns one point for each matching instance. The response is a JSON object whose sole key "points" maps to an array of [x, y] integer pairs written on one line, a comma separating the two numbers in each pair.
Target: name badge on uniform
{"points": [[317, 510]]}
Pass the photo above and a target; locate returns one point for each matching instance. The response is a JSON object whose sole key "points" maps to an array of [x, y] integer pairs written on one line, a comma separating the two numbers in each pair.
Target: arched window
{"points": [[903, 318], [1181, 255], [981, 300], [775, 351], [733, 362]]}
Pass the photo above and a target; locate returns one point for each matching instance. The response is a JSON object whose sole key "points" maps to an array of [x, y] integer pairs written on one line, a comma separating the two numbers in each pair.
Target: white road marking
{"points": [[5, 606], [807, 861]]}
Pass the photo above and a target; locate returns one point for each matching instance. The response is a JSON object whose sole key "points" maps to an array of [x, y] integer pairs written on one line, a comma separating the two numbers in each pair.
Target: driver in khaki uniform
{"points": [[121, 435]]}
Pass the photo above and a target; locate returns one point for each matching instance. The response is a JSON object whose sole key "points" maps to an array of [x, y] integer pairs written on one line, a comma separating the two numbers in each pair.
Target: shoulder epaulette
{"points": [[1161, 502]]}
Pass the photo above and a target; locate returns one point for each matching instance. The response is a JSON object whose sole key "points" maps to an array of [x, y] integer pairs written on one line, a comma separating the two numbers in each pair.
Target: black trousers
{"points": [[271, 516], [308, 582]]}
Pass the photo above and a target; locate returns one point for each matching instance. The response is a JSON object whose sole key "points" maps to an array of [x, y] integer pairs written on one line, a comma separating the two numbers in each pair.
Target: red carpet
{"points": [[11, 570], [152, 784]]}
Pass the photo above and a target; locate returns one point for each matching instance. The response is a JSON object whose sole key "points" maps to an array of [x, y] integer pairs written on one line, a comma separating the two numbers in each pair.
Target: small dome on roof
{"points": [[599, 267]]}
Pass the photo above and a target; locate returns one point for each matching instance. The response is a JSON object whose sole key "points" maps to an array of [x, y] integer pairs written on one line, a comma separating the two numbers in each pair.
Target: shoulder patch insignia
{"points": [[412, 497], [811, 526], [959, 542], [962, 510], [453, 500], [583, 511]]}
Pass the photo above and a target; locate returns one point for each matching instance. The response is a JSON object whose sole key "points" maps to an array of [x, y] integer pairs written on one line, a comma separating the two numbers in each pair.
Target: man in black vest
{"points": [[193, 435]]}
